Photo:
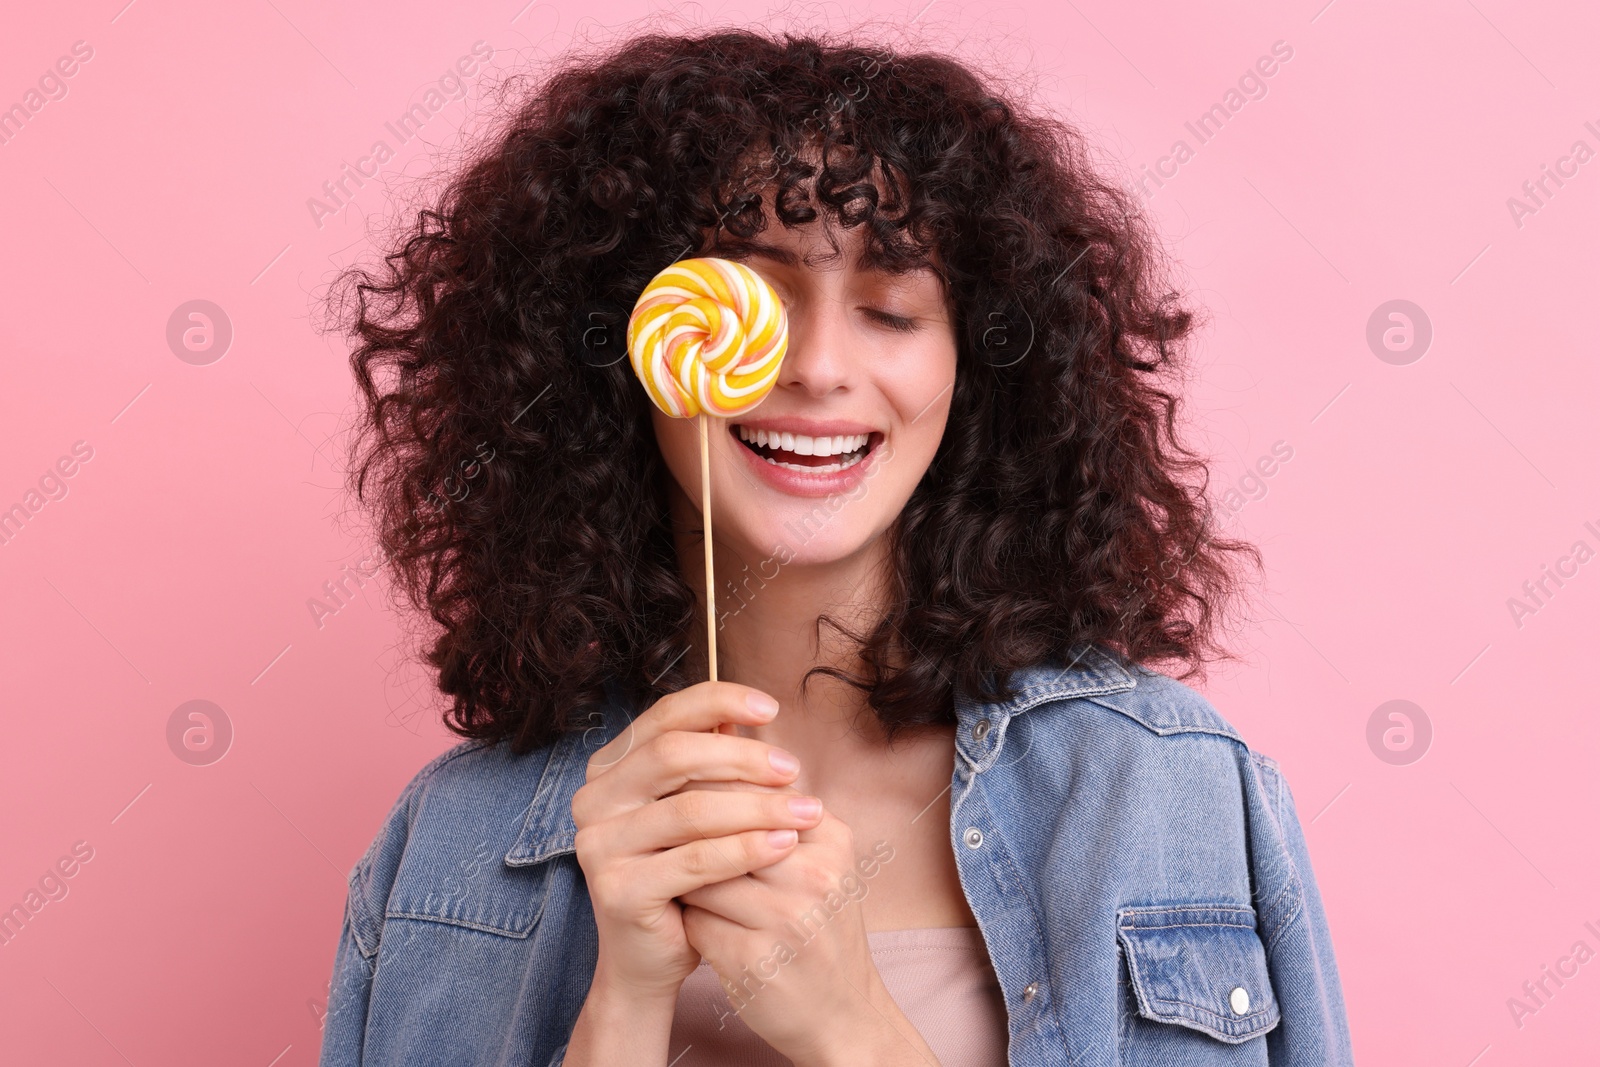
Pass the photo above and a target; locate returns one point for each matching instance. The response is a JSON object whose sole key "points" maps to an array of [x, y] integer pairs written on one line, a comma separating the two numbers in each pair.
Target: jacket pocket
{"points": [[1196, 966], [471, 888]]}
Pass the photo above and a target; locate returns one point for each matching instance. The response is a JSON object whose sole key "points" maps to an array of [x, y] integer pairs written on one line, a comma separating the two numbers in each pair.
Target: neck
{"points": [[768, 634]]}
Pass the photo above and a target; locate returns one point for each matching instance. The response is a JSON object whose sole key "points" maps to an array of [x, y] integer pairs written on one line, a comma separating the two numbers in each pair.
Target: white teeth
{"points": [[826, 468], [801, 445]]}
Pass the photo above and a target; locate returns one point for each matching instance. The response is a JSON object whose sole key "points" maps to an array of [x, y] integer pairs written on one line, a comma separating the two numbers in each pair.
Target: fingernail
{"points": [[805, 807], [783, 761], [762, 705], [781, 838]]}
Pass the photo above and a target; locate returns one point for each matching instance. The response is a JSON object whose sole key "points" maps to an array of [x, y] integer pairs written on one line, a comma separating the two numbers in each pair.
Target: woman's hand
{"points": [[641, 842], [789, 942]]}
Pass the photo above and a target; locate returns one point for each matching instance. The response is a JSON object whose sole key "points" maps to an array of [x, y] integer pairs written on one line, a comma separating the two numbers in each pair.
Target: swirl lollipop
{"points": [[706, 338]]}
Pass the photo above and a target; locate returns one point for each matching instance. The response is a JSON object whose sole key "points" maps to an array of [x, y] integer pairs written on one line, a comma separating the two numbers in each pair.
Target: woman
{"points": [[941, 809]]}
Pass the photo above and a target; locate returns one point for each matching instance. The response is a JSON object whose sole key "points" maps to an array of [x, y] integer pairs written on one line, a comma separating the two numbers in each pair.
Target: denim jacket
{"points": [[1138, 874]]}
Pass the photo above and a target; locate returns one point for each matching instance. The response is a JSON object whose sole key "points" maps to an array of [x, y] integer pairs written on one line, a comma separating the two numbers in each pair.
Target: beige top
{"points": [[940, 977]]}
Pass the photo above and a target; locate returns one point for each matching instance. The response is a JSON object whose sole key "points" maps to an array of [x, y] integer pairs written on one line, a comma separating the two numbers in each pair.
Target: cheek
{"points": [[671, 437], [920, 391], [679, 442]]}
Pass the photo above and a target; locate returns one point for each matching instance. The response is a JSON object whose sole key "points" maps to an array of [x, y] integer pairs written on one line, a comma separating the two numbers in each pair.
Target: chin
{"points": [[811, 533]]}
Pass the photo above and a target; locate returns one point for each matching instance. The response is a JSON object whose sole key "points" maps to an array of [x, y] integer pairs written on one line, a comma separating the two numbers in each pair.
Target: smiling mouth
{"points": [[809, 455]]}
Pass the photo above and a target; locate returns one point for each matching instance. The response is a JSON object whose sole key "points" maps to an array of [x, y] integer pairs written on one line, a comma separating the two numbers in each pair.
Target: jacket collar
{"points": [[548, 830], [981, 724]]}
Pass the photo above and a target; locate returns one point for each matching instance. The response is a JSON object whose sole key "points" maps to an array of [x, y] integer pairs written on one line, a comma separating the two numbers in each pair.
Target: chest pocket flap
{"points": [[1200, 966], [469, 885]]}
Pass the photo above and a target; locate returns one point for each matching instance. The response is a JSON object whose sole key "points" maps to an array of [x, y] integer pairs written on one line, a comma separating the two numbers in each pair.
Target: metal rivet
{"points": [[1029, 990], [1239, 1000], [973, 837], [980, 731]]}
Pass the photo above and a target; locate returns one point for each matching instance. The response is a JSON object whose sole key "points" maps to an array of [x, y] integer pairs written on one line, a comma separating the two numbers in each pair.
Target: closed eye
{"points": [[894, 322]]}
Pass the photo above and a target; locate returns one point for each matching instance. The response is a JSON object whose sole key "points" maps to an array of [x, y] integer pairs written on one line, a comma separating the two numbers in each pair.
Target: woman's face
{"points": [[822, 466]]}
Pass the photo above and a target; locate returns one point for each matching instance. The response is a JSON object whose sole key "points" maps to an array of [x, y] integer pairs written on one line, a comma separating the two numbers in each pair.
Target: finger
{"points": [[667, 763], [827, 833], [735, 899], [711, 859], [700, 707], [698, 813], [714, 937], [831, 832], [735, 787]]}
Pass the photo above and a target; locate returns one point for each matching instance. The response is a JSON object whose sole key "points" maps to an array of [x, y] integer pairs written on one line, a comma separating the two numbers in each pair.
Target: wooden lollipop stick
{"points": [[686, 307], [711, 584], [705, 511]]}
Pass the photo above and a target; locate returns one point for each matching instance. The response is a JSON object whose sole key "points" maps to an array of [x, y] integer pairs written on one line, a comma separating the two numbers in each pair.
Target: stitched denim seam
{"points": [[1168, 731], [1181, 909], [355, 899], [1192, 926], [482, 928], [1279, 924], [1247, 1018], [1286, 922], [369, 960]]}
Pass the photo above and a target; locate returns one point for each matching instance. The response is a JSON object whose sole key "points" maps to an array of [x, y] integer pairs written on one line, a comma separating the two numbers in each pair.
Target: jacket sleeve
{"points": [[1313, 1030], [344, 1027]]}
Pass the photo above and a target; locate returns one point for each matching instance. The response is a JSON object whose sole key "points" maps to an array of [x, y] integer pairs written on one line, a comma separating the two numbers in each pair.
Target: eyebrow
{"points": [[778, 254], [773, 252]]}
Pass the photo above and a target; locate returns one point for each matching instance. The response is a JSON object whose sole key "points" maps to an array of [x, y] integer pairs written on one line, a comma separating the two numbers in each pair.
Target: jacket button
{"points": [[973, 837], [1028, 991], [1239, 1000], [981, 730]]}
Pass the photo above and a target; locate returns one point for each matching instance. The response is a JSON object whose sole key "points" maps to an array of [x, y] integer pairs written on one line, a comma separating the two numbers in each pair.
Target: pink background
{"points": [[180, 562]]}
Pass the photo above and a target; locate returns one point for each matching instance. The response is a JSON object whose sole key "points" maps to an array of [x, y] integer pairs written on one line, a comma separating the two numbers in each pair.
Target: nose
{"points": [[818, 358]]}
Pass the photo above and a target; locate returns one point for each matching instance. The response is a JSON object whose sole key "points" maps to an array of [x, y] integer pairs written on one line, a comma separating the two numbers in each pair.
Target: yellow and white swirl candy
{"points": [[707, 336]]}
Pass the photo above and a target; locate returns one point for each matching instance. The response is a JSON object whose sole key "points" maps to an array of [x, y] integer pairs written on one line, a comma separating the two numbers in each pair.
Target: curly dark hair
{"points": [[508, 455]]}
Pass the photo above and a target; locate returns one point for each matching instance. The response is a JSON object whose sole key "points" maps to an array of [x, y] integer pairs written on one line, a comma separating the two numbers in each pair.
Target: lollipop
{"points": [[706, 338]]}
